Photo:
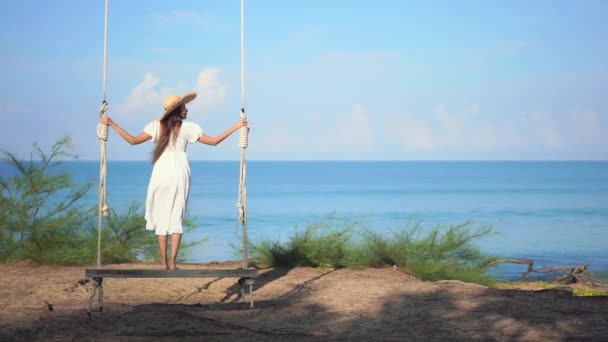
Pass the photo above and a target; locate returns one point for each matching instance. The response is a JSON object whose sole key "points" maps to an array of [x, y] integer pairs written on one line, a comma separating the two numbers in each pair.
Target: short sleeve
{"points": [[153, 129], [193, 132]]}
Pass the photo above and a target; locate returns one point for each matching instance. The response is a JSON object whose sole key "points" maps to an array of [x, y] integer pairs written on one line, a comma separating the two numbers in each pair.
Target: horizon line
{"points": [[359, 160]]}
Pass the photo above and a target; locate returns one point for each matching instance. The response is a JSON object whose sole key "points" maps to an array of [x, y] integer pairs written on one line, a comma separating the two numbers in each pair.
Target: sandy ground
{"points": [[48, 303]]}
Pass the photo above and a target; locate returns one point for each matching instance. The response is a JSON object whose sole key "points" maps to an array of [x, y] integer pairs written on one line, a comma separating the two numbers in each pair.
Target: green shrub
{"points": [[437, 254], [40, 214], [43, 220], [317, 245], [124, 238]]}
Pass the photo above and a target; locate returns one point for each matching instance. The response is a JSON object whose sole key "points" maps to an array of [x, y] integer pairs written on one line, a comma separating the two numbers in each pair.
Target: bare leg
{"points": [[175, 240], [162, 245]]}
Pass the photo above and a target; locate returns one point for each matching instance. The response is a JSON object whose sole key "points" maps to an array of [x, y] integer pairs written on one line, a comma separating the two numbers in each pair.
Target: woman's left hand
{"points": [[243, 122], [106, 120]]}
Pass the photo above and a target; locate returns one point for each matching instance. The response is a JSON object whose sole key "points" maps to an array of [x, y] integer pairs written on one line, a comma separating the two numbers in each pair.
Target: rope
{"points": [[242, 58], [105, 49], [102, 134], [244, 142]]}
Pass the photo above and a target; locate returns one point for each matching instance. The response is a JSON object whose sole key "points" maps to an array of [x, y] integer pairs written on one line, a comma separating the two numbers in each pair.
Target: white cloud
{"points": [[544, 128], [471, 131], [147, 96], [211, 91], [275, 135], [353, 130], [198, 20], [585, 127], [412, 132], [511, 135], [487, 136], [143, 96], [452, 127], [340, 135], [350, 132], [464, 129]]}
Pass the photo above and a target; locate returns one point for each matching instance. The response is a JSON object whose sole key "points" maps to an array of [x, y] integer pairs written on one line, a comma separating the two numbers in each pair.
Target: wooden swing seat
{"points": [[152, 273]]}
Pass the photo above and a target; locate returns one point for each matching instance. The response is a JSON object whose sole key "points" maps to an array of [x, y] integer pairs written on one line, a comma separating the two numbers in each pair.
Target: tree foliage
{"points": [[40, 210], [43, 218]]}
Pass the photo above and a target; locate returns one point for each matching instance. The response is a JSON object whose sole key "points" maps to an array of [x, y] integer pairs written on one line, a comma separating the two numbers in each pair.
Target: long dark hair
{"points": [[169, 126]]}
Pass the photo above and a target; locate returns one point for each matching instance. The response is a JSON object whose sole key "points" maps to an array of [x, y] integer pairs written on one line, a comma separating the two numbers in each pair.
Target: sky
{"points": [[324, 79]]}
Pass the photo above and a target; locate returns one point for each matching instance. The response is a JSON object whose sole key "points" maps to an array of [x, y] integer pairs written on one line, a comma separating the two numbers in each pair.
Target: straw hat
{"points": [[174, 101]]}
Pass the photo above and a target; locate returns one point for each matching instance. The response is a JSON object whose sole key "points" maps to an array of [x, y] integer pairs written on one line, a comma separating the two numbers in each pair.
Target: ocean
{"points": [[553, 212]]}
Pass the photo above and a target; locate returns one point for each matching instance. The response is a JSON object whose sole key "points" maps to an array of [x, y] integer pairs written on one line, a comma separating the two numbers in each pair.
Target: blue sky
{"points": [[325, 80]]}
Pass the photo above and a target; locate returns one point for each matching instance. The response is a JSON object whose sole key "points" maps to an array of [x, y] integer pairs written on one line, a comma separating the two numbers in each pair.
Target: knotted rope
{"points": [[244, 142], [242, 200], [102, 134]]}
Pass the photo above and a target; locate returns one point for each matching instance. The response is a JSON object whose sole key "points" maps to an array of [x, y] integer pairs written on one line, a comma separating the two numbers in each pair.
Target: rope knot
{"points": [[244, 137], [105, 210], [103, 129], [104, 108]]}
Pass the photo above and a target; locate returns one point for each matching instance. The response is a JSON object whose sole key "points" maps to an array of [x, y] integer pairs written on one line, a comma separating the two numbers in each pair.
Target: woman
{"points": [[170, 181]]}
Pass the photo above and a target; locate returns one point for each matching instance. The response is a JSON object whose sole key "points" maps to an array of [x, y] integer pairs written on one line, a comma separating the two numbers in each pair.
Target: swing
{"points": [[245, 274]]}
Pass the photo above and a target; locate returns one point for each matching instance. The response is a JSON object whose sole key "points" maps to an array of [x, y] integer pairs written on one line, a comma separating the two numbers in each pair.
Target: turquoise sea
{"points": [[553, 212]]}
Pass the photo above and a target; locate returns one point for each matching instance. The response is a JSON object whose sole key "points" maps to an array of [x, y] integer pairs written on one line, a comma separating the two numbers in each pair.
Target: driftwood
{"points": [[529, 262], [570, 275]]}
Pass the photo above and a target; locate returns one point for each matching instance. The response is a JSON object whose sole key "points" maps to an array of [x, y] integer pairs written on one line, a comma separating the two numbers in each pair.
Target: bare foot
{"points": [[164, 267], [173, 268]]}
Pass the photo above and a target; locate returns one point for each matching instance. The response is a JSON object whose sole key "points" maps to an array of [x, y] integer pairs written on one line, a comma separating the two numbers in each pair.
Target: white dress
{"points": [[170, 181]]}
